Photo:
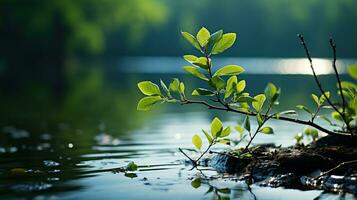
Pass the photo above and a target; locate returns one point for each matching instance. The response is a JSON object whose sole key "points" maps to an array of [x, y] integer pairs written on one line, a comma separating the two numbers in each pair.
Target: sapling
{"points": [[225, 91]]}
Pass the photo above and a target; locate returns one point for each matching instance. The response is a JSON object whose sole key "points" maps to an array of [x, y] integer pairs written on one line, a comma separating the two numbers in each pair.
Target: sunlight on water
{"points": [[252, 66]]}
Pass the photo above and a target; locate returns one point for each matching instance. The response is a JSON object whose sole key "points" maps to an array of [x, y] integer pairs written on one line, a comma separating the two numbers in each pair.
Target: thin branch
{"points": [[308, 123], [351, 162], [318, 82]]}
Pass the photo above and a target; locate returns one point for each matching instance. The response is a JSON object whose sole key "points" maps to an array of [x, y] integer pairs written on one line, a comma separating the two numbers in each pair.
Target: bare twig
{"points": [[351, 162], [319, 83]]}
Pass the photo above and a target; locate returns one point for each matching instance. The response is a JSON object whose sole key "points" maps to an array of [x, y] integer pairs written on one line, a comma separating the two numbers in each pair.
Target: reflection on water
{"points": [[252, 66], [70, 146]]}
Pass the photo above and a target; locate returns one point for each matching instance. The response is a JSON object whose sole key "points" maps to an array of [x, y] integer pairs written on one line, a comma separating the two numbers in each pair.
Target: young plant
{"points": [[226, 91]]}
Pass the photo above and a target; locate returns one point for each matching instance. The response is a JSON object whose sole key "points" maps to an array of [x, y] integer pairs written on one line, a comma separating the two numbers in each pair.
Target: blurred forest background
{"points": [[43, 43]]}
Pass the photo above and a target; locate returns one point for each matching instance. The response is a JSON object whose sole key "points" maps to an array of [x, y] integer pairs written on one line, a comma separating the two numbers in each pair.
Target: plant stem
{"points": [[309, 123], [319, 84]]}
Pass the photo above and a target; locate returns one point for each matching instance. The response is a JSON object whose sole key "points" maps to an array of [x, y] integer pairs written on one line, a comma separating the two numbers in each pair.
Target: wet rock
{"points": [[225, 163], [332, 183], [286, 180]]}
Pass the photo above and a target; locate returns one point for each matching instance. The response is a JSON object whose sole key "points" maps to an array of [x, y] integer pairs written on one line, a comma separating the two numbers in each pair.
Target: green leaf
{"points": [[182, 88], [226, 132], [336, 116], [190, 58], [246, 123], [195, 72], [174, 85], [215, 37], [229, 70], [191, 39], [302, 107], [201, 62], [311, 132], [266, 130], [202, 36], [224, 43], [216, 127], [298, 137], [258, 105], [323, 98], [131, 166], [259, 119], [164, 87], [196, 183], [217, 83], [202, 92], [230, 84], [316, 99], [271, 92], [245, 99], [197, 142], [208, 136], [147, 102], [352, 70], [225, 141], [239, 129], [325, 118], [149, 88], [240, 86]]}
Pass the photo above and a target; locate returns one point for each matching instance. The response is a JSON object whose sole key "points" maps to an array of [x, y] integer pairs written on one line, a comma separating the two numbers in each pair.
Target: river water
{"points": [[68, 144]]}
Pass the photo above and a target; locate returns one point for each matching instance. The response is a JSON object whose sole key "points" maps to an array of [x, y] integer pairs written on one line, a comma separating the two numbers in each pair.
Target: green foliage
{"points": [[224, 43], [229, 70], [131, 166], [147, 102], [352, 71], [228, 93], [197, 142], [149, 88]]}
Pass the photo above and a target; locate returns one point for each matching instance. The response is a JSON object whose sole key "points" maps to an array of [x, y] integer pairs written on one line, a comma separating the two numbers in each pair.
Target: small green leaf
{"points": [[226, 132], [259, 119], [298, 137], [191, 39], [245, 99], [147, 102], [202, 92], [323, 98], [316, 99], [216, 127], [352, 70], [301, 107], [215, 37], [164, 87], [311, 132], [196, 183], [224, 43], [225, 141], [197, 142], [217, 83], [231, 82], [202, 36], [190, 58], [229, 70], [246, 123], [239, 129], [271, 92], [131, 166], [201, 62], [149, 88], [208, 136], [266, 130], [182, 88], [240, 86], [174, 85], [258, 104], [326, 119], [336, 116], [195, 72]]}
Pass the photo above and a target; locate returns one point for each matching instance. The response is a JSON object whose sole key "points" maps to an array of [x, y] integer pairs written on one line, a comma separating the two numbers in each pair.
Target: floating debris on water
{"points": [[50, 163], [30, 187]]}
